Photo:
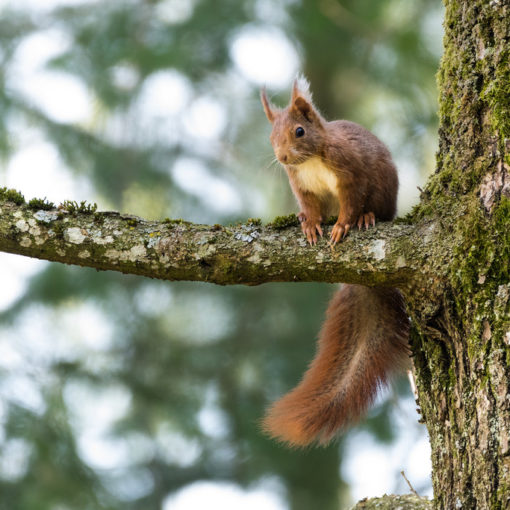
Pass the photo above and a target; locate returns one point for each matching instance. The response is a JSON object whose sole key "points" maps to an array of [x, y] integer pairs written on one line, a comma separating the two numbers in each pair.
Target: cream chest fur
{"points": [[314, 176]]}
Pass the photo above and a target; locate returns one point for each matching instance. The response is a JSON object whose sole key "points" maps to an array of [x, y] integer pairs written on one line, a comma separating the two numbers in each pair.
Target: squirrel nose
{"points": [[283, 158]]}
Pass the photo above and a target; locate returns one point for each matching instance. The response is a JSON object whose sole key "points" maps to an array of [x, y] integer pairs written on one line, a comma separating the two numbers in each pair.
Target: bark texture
{"points": [[462, 343], [247, 254], [450, 258]]}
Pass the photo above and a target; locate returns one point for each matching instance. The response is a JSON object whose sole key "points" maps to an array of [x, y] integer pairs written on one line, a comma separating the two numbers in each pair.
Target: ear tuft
{"points": [[301, 100], [301, 88], [269, 109]]}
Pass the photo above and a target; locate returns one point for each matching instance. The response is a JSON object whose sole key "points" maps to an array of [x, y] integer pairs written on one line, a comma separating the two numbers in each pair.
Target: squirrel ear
{"points": [[301, 100], [302, 105], [268, 107]]}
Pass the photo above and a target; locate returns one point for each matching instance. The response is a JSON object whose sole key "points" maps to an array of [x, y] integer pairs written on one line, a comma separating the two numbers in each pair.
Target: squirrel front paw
{"points": [[338, 232], [310, 227]]}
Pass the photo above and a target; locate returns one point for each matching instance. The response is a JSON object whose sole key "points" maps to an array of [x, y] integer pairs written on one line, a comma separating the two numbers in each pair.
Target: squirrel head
{"points": [[298, 130]]}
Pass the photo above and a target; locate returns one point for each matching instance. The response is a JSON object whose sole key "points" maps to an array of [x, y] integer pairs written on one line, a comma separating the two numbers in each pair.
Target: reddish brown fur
{"points": [[364, 337], [367, 178], [363, 340]]}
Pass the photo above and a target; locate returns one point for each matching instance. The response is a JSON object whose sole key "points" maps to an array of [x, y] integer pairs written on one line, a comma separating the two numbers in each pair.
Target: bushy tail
{"points": [[362, 342]]}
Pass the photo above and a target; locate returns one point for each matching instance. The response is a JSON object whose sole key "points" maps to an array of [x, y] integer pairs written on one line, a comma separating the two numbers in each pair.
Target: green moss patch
{"points": [[82, 207], [12, 195], [281, 222], [38, 204]]}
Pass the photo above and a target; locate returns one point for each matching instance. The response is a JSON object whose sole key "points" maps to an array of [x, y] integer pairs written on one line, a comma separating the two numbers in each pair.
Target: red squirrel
{"points": [[339, 168]]}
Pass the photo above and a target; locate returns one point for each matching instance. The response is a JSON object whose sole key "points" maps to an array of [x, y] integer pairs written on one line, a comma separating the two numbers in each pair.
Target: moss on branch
{"points": [[250, 254], [394, 502]]}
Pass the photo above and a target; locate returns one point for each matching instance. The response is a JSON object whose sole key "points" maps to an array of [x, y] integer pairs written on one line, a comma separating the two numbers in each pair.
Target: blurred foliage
{"points": [[195, 365]]}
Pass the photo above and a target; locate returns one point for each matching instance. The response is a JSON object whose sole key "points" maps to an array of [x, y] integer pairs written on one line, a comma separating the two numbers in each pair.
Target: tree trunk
{"points": [[461, 339]]}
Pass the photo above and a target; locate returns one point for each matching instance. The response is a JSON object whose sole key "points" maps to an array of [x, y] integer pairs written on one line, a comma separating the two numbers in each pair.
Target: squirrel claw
{"points": [[366, 219], [311, 233], [339, 232], [310, 228]]}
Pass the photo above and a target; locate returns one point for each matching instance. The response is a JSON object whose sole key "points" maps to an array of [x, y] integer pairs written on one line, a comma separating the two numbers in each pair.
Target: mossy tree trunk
{"points": [[461, 339], [450, 259]]}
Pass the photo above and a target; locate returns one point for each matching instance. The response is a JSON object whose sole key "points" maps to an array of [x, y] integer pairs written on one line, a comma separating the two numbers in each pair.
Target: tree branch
{"points": [[394, 502], [250, 254]]}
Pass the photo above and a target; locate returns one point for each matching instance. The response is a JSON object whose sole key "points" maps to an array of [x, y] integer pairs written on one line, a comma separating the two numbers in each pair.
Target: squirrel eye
{"points": [[299, 132]]}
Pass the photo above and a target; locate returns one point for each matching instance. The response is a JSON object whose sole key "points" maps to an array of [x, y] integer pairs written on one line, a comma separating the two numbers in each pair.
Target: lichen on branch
{"points": [[250, 253]]}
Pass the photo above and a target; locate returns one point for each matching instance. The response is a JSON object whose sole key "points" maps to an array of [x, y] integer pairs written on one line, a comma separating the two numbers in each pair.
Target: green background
{"points": [[181, 373]]}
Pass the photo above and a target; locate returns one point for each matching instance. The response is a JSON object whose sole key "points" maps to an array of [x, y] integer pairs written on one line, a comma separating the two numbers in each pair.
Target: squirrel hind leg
{"points": [[366, 219]]}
